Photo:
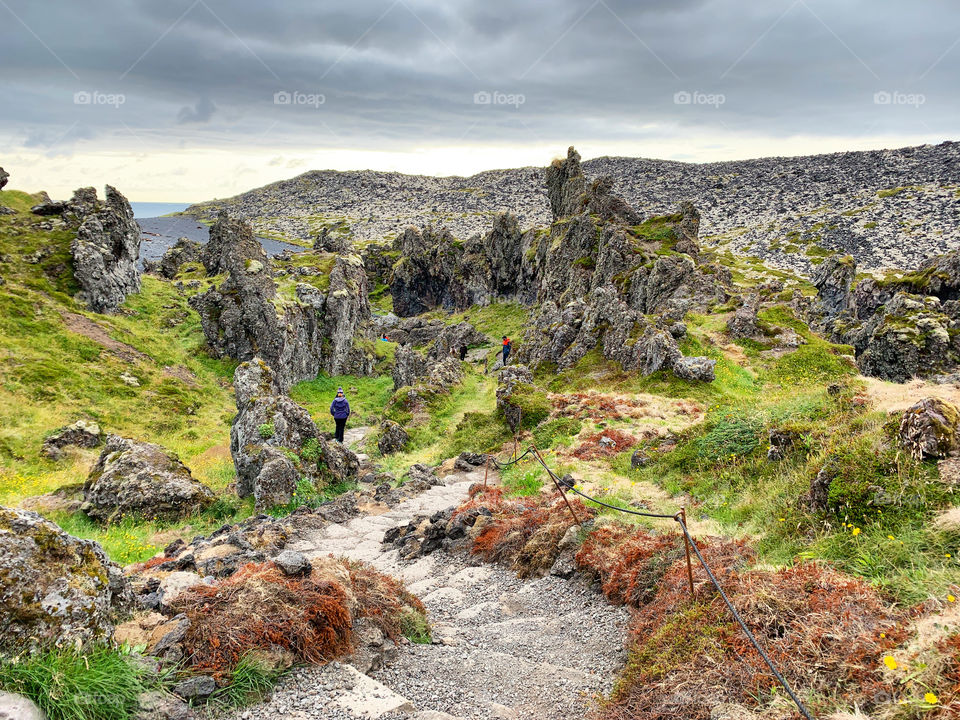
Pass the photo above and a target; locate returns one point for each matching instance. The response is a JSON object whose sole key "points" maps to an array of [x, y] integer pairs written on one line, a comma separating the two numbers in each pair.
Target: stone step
{"points": [[364, 697]]}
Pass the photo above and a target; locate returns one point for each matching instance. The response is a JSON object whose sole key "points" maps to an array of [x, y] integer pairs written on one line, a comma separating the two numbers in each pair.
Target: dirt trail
{"points": [[502, 647]]}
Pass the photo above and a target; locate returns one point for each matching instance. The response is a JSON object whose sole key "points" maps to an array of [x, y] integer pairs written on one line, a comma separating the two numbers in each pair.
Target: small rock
{"points": [[129, 379], [158, 705], [197, 687], [292, 563]]}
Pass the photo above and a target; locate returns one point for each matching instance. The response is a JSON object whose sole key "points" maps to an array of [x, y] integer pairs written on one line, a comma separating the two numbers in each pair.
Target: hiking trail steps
{"points": [[502, 647]]}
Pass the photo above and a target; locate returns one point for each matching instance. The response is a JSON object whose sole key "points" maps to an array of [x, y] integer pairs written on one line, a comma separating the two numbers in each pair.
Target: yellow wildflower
{"points": [[890, 662], [856, 531], [931, 698], [951, 598]]}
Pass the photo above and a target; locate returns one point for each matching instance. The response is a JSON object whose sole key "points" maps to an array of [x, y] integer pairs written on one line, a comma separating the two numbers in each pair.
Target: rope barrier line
{"points": [[680, 519]]}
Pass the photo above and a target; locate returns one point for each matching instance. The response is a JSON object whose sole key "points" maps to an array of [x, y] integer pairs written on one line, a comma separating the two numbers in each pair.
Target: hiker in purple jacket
{"points": [[340, 409]]}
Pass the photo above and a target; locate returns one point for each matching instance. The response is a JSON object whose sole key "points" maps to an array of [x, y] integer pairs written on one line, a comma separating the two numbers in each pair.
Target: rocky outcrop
{"points": [[105, 250], [274, 441], [4, 178], [900, 327], [246, 318], [412, 368], [453, 338], [139, 479], [514, 388], [593, 274], [183, 251], [393, 437], [82, 433], [55, 589], [929, 428]]}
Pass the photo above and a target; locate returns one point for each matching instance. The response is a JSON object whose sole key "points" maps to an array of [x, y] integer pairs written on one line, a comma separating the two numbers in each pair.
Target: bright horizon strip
{"points": [[205, 173]]}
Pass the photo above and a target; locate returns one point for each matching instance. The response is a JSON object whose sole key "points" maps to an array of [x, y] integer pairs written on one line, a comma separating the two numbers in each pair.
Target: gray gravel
{"points": [[502, 647]]}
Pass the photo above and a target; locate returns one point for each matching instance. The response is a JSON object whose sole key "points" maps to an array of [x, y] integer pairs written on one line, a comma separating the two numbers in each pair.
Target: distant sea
{"points": [[156, 209]]}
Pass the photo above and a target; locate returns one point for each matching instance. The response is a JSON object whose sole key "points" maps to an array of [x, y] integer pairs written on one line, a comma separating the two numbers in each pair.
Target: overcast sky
{"points": [[185, 100]]}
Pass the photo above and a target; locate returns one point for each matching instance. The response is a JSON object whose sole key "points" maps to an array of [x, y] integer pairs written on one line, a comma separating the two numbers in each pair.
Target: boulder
{"points": [[197, 687], [833, 279], [695, 368], [511, 380], [105, 251], [134, 478], [82, 433], [12, 706], [4, 178], [55, 589], [159, 705], [183, 251], [743, 324], [929, 428], [393, 437]]}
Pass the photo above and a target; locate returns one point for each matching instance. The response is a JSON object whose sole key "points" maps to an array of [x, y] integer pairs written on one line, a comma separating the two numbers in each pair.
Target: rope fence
{"points": [[680, 518]]}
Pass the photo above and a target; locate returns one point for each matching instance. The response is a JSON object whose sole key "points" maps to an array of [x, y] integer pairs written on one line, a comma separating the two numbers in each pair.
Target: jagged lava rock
{"points": [[183, 251], [82, 433], [105, 250], [134, 478], [54, 588]]}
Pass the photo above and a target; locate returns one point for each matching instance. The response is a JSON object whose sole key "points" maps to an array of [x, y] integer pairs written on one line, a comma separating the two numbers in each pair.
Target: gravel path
{"points": [[502, 647]]}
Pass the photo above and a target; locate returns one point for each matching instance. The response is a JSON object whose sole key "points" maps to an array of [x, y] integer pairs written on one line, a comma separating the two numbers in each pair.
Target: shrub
{"points": [[266, 431]]}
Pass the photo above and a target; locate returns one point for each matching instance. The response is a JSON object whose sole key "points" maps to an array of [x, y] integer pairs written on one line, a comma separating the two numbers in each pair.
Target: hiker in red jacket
{"points": [[507, 347]]}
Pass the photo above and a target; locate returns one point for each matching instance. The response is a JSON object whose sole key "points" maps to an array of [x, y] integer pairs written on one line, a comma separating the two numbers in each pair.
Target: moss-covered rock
{"points": [[929, 428], [55, 589]]}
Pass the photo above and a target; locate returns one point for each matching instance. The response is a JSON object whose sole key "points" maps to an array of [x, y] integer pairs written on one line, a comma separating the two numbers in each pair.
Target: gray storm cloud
{"points": [[412, 70]]}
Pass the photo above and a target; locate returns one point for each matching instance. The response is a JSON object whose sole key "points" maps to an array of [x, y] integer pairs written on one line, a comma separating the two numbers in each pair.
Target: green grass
{"points": [[135, 540], [415, 627], [494, 321], [252, 681], [366, 404], [68, 684]]}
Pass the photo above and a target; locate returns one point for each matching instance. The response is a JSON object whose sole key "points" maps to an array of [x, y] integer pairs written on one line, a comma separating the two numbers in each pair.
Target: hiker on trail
{"points": [[340, 409], [507, 347]]}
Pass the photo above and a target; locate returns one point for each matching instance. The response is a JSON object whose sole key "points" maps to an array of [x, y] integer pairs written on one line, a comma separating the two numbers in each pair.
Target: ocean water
{"points": [[156, 209]]}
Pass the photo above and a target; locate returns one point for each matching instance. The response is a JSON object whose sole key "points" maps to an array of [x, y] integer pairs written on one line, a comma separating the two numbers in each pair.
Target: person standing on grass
{"points": [[507, 347], [340, 409]]}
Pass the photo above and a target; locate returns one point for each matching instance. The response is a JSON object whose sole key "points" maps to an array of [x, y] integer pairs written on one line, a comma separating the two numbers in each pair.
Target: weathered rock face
{"points": [[4, 178], [393, 437], [929, 428], [274, 441], [593, 274], [105, 250], [899, 328], [54, 588], [245, 318], [455, 337], [743, 324], [134, 478], [184, 251]]}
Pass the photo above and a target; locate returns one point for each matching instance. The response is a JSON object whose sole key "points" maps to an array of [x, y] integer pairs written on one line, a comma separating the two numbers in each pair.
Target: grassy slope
{"points": [[52, 376]]}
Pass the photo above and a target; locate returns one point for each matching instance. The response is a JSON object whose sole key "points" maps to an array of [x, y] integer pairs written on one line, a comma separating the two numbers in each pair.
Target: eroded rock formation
{"points": [[246, 317], [105, 250]]}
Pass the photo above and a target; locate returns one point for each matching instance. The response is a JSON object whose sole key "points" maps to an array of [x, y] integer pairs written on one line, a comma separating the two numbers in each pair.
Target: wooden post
{"points": [[686, 546], [576, 520]]}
